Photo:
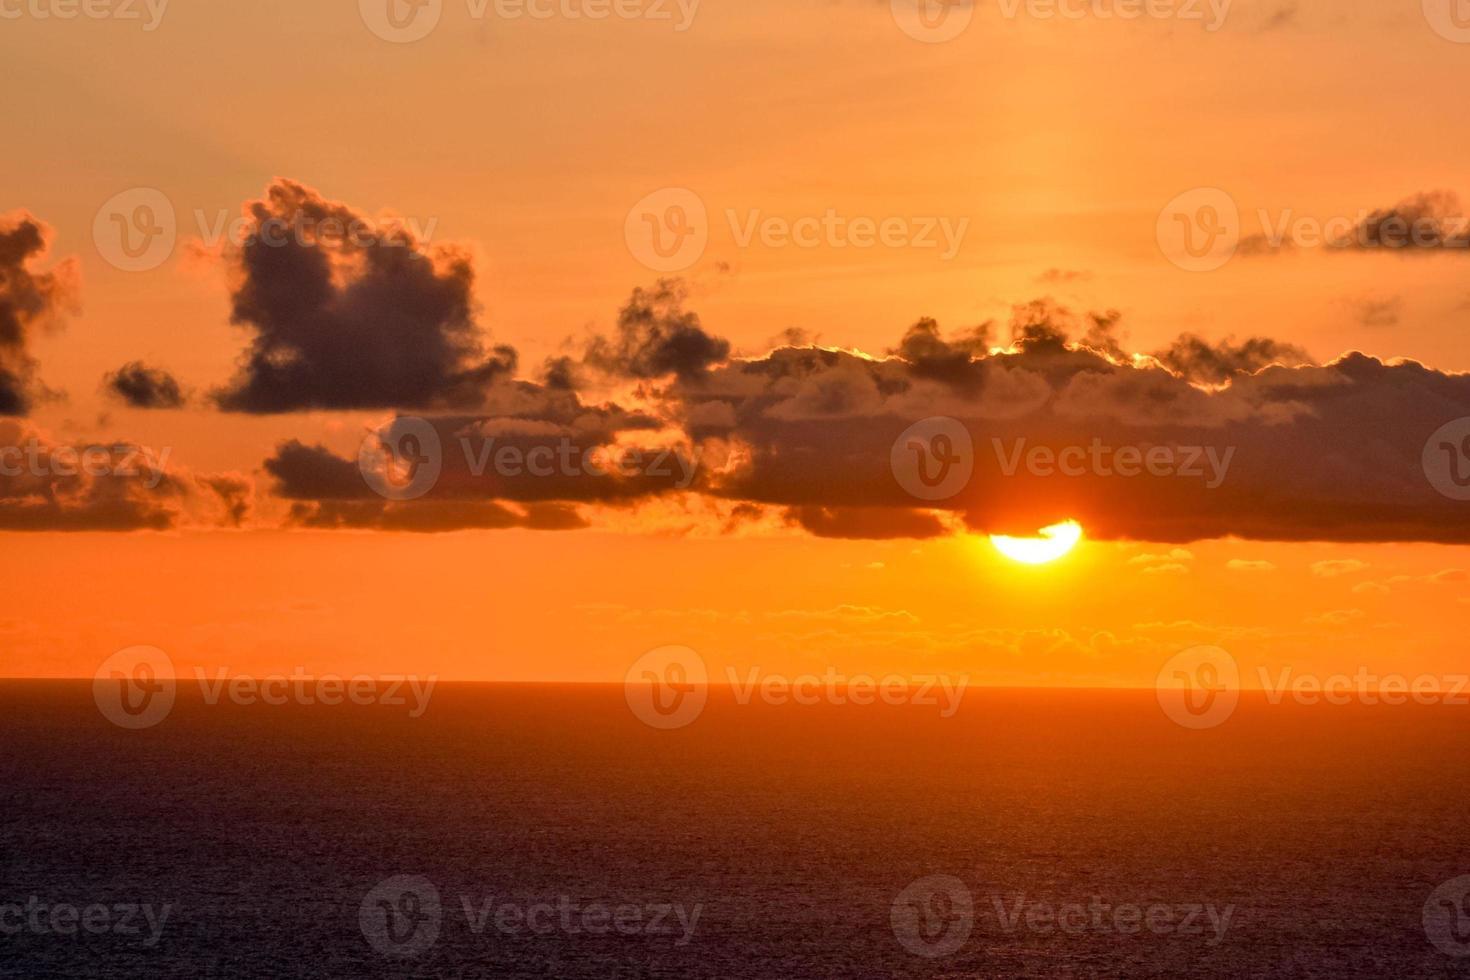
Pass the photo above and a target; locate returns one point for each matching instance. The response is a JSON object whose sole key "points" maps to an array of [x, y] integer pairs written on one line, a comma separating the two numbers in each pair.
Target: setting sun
{"points": [[1052, 543]]}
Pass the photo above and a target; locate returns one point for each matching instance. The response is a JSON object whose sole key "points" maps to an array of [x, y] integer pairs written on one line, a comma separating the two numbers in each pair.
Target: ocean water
{"points": [[761, 841]]}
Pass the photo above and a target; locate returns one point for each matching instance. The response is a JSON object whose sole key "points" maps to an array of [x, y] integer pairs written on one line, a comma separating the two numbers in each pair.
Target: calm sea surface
{"points": [[527, 831]]}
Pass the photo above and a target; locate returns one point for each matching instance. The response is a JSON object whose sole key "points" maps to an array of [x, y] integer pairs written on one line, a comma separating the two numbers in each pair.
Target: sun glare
{"points": [[1052, 543]]}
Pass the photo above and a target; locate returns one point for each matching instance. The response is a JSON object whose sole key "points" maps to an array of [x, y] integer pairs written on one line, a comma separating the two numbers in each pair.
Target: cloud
{"points": [[1427, 222], [657, 337], [1196, 359], [1301, 452], [144, 387], [1215, 440], [1338, 566], [1057, 276], [117, 485], [368, 319], [28, 299], [530, 464], [1245, 565], [1374, 311], [865, 522]]}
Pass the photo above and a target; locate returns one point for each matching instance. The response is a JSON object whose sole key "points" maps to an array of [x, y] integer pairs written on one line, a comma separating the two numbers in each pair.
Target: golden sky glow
{"points": [[523, 144]]}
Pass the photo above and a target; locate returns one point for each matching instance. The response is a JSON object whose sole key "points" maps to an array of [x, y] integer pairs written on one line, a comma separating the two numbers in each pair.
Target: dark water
{"points": [[789, 830]]}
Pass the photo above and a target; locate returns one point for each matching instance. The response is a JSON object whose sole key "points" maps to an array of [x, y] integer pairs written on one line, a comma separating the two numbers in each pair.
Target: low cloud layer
{"points": [[1202, 440], [50, 485]]}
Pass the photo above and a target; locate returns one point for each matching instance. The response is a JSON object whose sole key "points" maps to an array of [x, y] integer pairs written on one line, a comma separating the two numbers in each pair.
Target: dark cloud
{"points": [[434, 516], [348, 313], [47, 485], [1373, 311], [656, 337], [950, 361], [1196, 359], [28, 299], [1259, 443], [865, 522], [1427, 223], [529, 465], [141, 386], [1327, 452], [1057, 276]]}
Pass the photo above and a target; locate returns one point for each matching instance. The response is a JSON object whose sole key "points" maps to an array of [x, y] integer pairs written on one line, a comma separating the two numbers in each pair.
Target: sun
{"points": [[1053, 543]]}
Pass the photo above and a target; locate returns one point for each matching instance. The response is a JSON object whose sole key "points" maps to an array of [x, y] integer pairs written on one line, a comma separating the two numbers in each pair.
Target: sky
{"points": [[740, 250]]}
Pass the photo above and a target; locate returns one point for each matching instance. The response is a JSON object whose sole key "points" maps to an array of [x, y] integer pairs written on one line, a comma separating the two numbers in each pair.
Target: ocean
{"points": [[545, 831]]}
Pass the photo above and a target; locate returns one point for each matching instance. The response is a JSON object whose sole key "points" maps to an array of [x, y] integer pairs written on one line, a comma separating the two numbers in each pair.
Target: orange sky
{"points": [[526, 142]]}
